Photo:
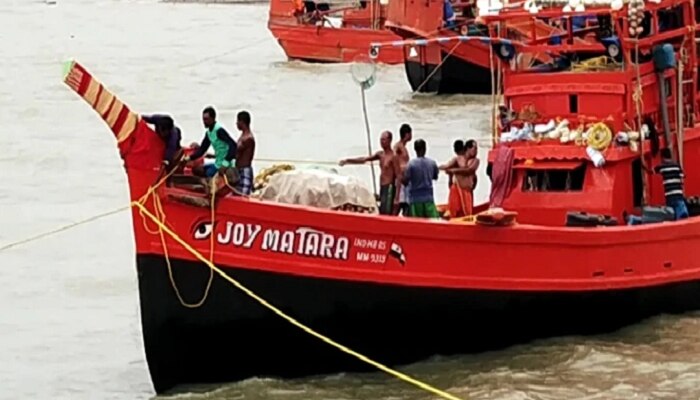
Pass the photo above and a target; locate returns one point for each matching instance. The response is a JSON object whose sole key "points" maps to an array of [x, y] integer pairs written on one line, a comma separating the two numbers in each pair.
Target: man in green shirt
{"points": [[218, 138]]}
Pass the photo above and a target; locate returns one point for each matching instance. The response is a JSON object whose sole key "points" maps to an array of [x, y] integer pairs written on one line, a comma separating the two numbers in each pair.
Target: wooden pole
{"points": [[369, 140], [679, 109]]}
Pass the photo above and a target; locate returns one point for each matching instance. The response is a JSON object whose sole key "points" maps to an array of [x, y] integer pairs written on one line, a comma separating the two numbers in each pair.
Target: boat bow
{"points": [[138, 144]]}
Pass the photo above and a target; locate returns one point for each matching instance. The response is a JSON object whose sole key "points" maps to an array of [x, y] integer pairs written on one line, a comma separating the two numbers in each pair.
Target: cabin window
{"points": [[313, 6], [566, 177], [605, 26], [573, 103], [646, 25], [670, 18]]}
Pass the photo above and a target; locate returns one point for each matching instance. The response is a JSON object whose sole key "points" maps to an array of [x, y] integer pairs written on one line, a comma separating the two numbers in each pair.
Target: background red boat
{"points": [[323, 32], [436, 60]]}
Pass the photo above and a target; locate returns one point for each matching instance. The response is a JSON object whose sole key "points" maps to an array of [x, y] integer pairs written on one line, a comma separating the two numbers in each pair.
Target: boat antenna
{"points": [[363, 71]]}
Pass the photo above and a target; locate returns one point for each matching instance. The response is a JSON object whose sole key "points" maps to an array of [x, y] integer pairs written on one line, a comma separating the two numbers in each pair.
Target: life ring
{"points": [[599, 136]]}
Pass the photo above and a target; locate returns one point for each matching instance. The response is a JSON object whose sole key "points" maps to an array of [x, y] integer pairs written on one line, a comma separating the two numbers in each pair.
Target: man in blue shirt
{"points": [[419, 176], [448, 14]]}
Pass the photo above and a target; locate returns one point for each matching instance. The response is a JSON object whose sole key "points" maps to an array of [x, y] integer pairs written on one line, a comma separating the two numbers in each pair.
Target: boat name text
{"points": [[302, 241]]}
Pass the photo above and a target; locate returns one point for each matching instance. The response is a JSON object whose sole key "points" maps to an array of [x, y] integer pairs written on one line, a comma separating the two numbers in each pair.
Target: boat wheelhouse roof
{"points": [[557, 8]]}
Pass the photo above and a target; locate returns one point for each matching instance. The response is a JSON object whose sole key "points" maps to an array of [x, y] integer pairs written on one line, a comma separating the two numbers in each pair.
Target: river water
{"points": [[69, 318]]}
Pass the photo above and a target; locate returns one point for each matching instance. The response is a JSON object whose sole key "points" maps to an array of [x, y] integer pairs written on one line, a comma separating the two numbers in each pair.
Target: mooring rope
{"points": [[120, 209], [435, 70], [223, 54], [163, 228], [63, 228], [286, 317]]}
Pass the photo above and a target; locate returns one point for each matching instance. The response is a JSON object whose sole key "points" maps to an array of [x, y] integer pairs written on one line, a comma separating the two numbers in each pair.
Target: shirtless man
{"points": [[401, 202], [463, 168], [389, 177], [458, 148], [245, 153]]}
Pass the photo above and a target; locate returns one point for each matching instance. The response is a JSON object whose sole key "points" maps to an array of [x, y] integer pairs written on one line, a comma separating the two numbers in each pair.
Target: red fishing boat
{"points": [[330, 32], [530, 264], [442, 57]]}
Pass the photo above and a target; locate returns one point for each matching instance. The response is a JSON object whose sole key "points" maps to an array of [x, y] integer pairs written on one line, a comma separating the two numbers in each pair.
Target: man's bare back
{"points": [[245, 150]]}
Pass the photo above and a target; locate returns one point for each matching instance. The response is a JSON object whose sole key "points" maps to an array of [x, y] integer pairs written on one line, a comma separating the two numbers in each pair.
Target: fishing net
{"points": [[318, 187], [363, 71]]}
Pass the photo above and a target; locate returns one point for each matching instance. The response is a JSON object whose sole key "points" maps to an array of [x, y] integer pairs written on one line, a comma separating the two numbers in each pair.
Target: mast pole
{"points": [[679, 104]]}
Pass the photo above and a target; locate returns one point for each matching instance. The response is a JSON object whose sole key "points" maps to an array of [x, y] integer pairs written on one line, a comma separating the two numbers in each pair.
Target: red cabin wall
{"points": [[282, 12], [607, 190], [423, 15], [550, 208]]}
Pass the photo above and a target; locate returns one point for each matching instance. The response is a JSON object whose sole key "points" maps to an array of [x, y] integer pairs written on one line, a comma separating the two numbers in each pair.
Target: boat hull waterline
{"points": [[231, 337], [333, 45]]}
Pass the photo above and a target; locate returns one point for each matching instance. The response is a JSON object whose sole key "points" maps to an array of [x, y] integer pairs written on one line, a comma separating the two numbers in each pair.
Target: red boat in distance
{"points": [[550, 254], [450, 65], [331, 31]]}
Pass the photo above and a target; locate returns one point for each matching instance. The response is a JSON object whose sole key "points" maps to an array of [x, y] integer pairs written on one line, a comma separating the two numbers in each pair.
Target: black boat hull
{"points": [[454, 76], [232, 337]]}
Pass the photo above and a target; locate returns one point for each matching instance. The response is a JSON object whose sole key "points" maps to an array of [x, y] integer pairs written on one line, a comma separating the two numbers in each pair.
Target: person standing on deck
{"points": [[458, 148], [471, 148], [389, 178], [217, 137], [458, 199], [419, 176], [245, 153], [402, 200], [673, 176], [171, 135], [463, 167]]}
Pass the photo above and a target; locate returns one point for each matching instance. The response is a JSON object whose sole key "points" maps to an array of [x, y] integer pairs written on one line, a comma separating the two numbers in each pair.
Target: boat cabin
{"points": [[585, 128]]}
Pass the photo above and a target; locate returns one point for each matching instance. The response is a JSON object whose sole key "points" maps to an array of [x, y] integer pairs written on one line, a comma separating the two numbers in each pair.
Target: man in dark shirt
{"points": [[672, 174], [217, 137], [171, 135]]}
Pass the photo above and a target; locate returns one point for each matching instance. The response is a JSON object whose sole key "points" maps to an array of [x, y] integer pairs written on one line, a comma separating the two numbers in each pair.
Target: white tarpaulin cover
{"points": [[318, 188]]}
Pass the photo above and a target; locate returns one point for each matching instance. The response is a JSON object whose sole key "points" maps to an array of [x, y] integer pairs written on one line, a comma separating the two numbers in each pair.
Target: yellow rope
{"points": [[602, 63], [288, 318], [90, 219], [638, 99], [159, 211], [163, 228], [63, 228]]}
